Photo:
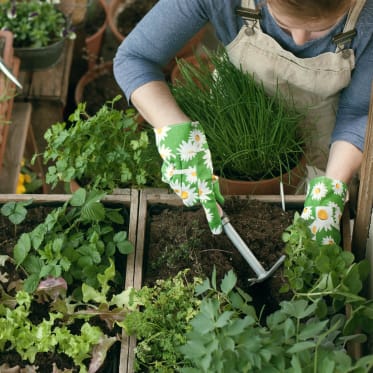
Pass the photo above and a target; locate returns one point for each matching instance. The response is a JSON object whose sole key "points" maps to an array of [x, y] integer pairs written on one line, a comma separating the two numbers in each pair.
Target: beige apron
{"points": [[312, 83]]}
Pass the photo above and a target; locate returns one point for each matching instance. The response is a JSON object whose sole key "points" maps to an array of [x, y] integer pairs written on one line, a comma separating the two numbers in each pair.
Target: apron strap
{"points": [[344, 39]]}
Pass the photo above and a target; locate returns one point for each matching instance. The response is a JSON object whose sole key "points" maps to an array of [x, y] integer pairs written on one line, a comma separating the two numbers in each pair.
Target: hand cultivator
{"points": [[248, 255]]}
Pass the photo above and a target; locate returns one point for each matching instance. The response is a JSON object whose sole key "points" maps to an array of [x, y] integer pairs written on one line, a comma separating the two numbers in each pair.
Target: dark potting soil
{"points": [[100, 90], [132, 13], [44, 362], [179, 238]]}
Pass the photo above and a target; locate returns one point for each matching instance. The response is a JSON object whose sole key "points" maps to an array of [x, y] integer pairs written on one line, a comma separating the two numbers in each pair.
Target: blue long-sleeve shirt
{"points": [[171, 23]]}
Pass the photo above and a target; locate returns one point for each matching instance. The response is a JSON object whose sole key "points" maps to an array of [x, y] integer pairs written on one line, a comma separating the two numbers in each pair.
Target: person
{"points": [[318, 52]]}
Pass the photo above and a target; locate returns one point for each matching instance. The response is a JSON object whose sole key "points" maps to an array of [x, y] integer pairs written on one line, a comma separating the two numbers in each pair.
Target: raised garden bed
{"points": [[126, 205], [172, 238]]}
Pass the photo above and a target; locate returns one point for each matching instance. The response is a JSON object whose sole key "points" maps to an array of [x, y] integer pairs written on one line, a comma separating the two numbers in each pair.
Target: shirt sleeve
{"points": [[352, 113]]}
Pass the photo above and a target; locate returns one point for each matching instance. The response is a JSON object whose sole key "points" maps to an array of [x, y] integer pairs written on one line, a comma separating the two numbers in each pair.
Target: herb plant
{"points": [[160, 322], [76, 241], [34, 23], [263, 130], [228, 336], [327, 276], [103, 151]]}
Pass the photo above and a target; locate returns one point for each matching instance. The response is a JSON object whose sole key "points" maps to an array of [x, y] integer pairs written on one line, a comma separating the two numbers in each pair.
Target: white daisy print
{"points": [[313, 229], [176, 187], [324, 218], [207, 159], [203, 191], [165, 152], [327, 240], [188, 195], [161, 133], [187, 151], [217, 230], [337, 187], [307, 213], [169, 171], [209, 215], [198, 138], [191, 174], [319, 191]]}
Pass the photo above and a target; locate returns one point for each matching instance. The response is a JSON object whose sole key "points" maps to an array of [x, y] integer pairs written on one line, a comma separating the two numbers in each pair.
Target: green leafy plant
{"points": [[263, 130], [75, 241], [160, 322], [34, 23], [228, 336], [69, 326], [327, 276], [102, 151]]}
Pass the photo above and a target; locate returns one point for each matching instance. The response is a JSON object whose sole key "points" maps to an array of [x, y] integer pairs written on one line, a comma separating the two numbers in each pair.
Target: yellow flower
{"points": [[20, 189], [27, 178]]}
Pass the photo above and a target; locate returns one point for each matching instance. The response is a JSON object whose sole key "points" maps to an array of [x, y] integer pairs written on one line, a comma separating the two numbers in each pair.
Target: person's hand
{"points": [[323, 209], [187, 168]]}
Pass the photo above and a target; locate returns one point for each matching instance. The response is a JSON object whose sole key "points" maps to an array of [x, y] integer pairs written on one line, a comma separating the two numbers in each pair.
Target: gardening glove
{"points": [[187, 168], [323, 208]]}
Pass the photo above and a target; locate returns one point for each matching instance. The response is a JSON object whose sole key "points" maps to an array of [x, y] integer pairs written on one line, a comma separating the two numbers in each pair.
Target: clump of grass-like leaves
{"points": [[251, 134]]}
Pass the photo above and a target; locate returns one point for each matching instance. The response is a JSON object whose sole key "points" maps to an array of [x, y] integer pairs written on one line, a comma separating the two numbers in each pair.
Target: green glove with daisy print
{"points": [[187, 168], [323, 209]]}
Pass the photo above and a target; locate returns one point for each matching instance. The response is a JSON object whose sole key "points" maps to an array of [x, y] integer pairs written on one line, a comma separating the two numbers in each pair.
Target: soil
{"points": [[131, 14], [179, 238], [104, 88], [100, 90]]}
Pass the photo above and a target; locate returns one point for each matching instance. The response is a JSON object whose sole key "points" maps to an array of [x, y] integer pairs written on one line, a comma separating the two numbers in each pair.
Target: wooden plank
{"points": [[49, 84], [365, 195], [59, 198], [129, 342], [14, 151]]}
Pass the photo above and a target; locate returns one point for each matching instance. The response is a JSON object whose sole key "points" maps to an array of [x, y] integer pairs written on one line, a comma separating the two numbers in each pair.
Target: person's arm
{"points": [[157, 106], [344, 161]]}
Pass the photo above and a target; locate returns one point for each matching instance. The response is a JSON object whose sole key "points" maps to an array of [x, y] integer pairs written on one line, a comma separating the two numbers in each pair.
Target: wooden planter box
{"points": [[160, 197], [127, 198]]}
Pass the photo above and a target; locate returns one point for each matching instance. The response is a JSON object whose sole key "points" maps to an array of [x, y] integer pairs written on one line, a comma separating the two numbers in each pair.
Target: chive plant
{"points": [[251, 134]]}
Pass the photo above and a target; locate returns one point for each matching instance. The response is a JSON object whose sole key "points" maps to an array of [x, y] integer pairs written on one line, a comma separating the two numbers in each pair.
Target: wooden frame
{"points": [[128, 198]]}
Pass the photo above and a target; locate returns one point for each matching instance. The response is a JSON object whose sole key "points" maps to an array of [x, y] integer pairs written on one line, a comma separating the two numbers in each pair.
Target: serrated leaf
{"points": [[78, 198], [229, 282]]}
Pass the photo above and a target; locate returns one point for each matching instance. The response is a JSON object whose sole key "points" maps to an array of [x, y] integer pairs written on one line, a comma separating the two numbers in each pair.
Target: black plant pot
{"points": [[40, 58]]}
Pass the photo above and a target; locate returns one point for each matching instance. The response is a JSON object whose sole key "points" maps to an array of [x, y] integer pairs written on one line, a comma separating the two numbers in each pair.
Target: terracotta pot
{"points": [[117, 6], [75, 10], [93, 42], [290, 180], [103, 92]]}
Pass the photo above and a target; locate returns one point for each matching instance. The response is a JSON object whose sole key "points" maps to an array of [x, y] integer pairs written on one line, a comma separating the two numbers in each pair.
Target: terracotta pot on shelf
{"points": [[94, 41], [76, 10], [117, 6], [291, 182], [89, 83]]}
